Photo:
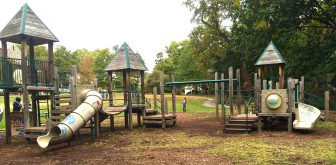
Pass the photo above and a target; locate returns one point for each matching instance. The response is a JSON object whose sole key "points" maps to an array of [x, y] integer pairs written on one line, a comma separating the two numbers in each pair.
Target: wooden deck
{"points": [[159, 116], [114, 110]]}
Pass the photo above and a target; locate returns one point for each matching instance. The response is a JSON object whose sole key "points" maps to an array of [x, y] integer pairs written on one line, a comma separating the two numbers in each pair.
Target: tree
{"points": [[86, 70], [102, 58]]}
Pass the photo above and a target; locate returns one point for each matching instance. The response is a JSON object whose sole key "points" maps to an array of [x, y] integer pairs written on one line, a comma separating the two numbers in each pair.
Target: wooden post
{"points": [[110, 88], [25, 83], [223, 96], [259, 72], [33, 82], [51, 62], [142, 75], [302, 89], [155, 98], [173, 97], [129, 99], [277, 85], [125, 98], [6, 100], [96, 118], [73, 93], [282, 76], [258, 89], [74, 73], [231, 90], [326, 105], [270, 83], [255, 91], [216, 95], [56, 83], [264, 84], [166, 106], [7, 117], [162, 101], [238, 92], [290, 103]]}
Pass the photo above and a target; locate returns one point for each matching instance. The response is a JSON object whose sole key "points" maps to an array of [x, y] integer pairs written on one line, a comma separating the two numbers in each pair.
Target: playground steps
{"points": [[62, 109], [240, 124], [170, 119], [32, 133]]}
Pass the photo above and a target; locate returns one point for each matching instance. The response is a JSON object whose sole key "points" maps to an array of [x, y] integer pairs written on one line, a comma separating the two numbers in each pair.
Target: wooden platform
{"points": [[138, 105], [240, 123], [157, 119], [114, 110], [159, 116]]}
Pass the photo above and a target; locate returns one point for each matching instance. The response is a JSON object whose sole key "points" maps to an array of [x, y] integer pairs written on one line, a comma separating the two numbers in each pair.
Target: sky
{"points": [[148, 26]]}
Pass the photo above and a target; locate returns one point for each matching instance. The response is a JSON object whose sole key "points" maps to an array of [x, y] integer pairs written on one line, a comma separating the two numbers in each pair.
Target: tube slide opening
{"points": [[44, 141]]}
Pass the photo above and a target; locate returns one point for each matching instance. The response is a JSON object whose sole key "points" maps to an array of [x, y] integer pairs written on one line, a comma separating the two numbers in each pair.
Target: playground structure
{"points": [[272, 103], [68, 113]]}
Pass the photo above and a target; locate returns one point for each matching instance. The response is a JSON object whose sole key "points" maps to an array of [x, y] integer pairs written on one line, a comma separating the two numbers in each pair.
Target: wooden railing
{"points": [[11, 73]]}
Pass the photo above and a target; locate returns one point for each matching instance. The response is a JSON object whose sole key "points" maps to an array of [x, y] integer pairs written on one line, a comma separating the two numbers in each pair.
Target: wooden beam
{"points": [[73, 93], [32, 64], [231, 90], [173, 96], [166, 106], [223, 97], [96, 117], [74, 73], [51, 61], [270, 84], [258, 89], [162, 101], [326, 105], [143, 97], [129, 99], [282, 76], [290, 103], [24, 82], [277, 85], [7, 117], [264, 84], [238, 91], [155, 98], [110, 88], [302, 89], [216, 96], [255, 90], [125, 98]]}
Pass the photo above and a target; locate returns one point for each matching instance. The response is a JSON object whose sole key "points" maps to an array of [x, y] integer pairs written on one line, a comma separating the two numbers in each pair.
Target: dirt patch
{"points": [[194, 140]]}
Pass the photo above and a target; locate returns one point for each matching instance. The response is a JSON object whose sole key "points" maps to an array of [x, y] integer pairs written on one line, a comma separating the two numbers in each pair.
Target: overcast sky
{"points": [[146, 25]]}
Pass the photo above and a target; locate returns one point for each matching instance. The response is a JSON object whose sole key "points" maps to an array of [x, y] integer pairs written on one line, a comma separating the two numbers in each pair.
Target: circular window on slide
{"points": [[273, 101]]}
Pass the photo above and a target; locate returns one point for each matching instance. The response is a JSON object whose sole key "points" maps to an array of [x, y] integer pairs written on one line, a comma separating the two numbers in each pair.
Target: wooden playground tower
{"points": [[27, 75]]}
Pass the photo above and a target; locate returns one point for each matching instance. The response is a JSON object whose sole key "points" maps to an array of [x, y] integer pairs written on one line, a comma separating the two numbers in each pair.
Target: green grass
{"points": [[327, 125]]}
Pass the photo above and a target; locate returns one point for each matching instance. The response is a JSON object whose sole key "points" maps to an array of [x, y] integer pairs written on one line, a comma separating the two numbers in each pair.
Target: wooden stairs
{"points": [[239, 124]]}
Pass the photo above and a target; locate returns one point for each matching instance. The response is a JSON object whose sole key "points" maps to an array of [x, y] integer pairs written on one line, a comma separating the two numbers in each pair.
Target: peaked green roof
{"points": [[124, 59], [271, 55], [27, 23]]}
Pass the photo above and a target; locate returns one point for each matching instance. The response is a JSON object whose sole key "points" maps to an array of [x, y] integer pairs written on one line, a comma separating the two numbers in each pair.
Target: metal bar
{"points": [[198, 82]]}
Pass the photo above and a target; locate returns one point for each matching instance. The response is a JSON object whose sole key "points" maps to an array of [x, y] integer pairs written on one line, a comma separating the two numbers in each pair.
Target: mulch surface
{"points": [[111, 145]]}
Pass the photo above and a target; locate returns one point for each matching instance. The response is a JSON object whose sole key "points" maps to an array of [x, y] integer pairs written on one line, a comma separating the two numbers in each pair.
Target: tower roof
{"points": [[271, 55], [27, 23], [124, 59]]}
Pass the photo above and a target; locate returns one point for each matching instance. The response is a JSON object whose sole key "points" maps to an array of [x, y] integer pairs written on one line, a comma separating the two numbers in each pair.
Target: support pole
{"points": [[155, 98], [110, 93], [290, 103], [216, 95], [7, 116], [326, 105], [173, 96], [282, 76], [223, 96], [125, 98], [302, 90], [258, 89], [32, 81], [162, 101], [143, 98], [238, 92], [255, 90], [51, 62], [129, 99], [270, 84], [25, 83], [74, 73], [96, 118], [264, 84], [277, 85], [231, 90], [166, 106]]}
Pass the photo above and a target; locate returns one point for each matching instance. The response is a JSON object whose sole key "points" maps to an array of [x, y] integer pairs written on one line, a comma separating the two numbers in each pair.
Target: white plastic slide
{"points": [[306, 116], [64, 131], [1, 114]]}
